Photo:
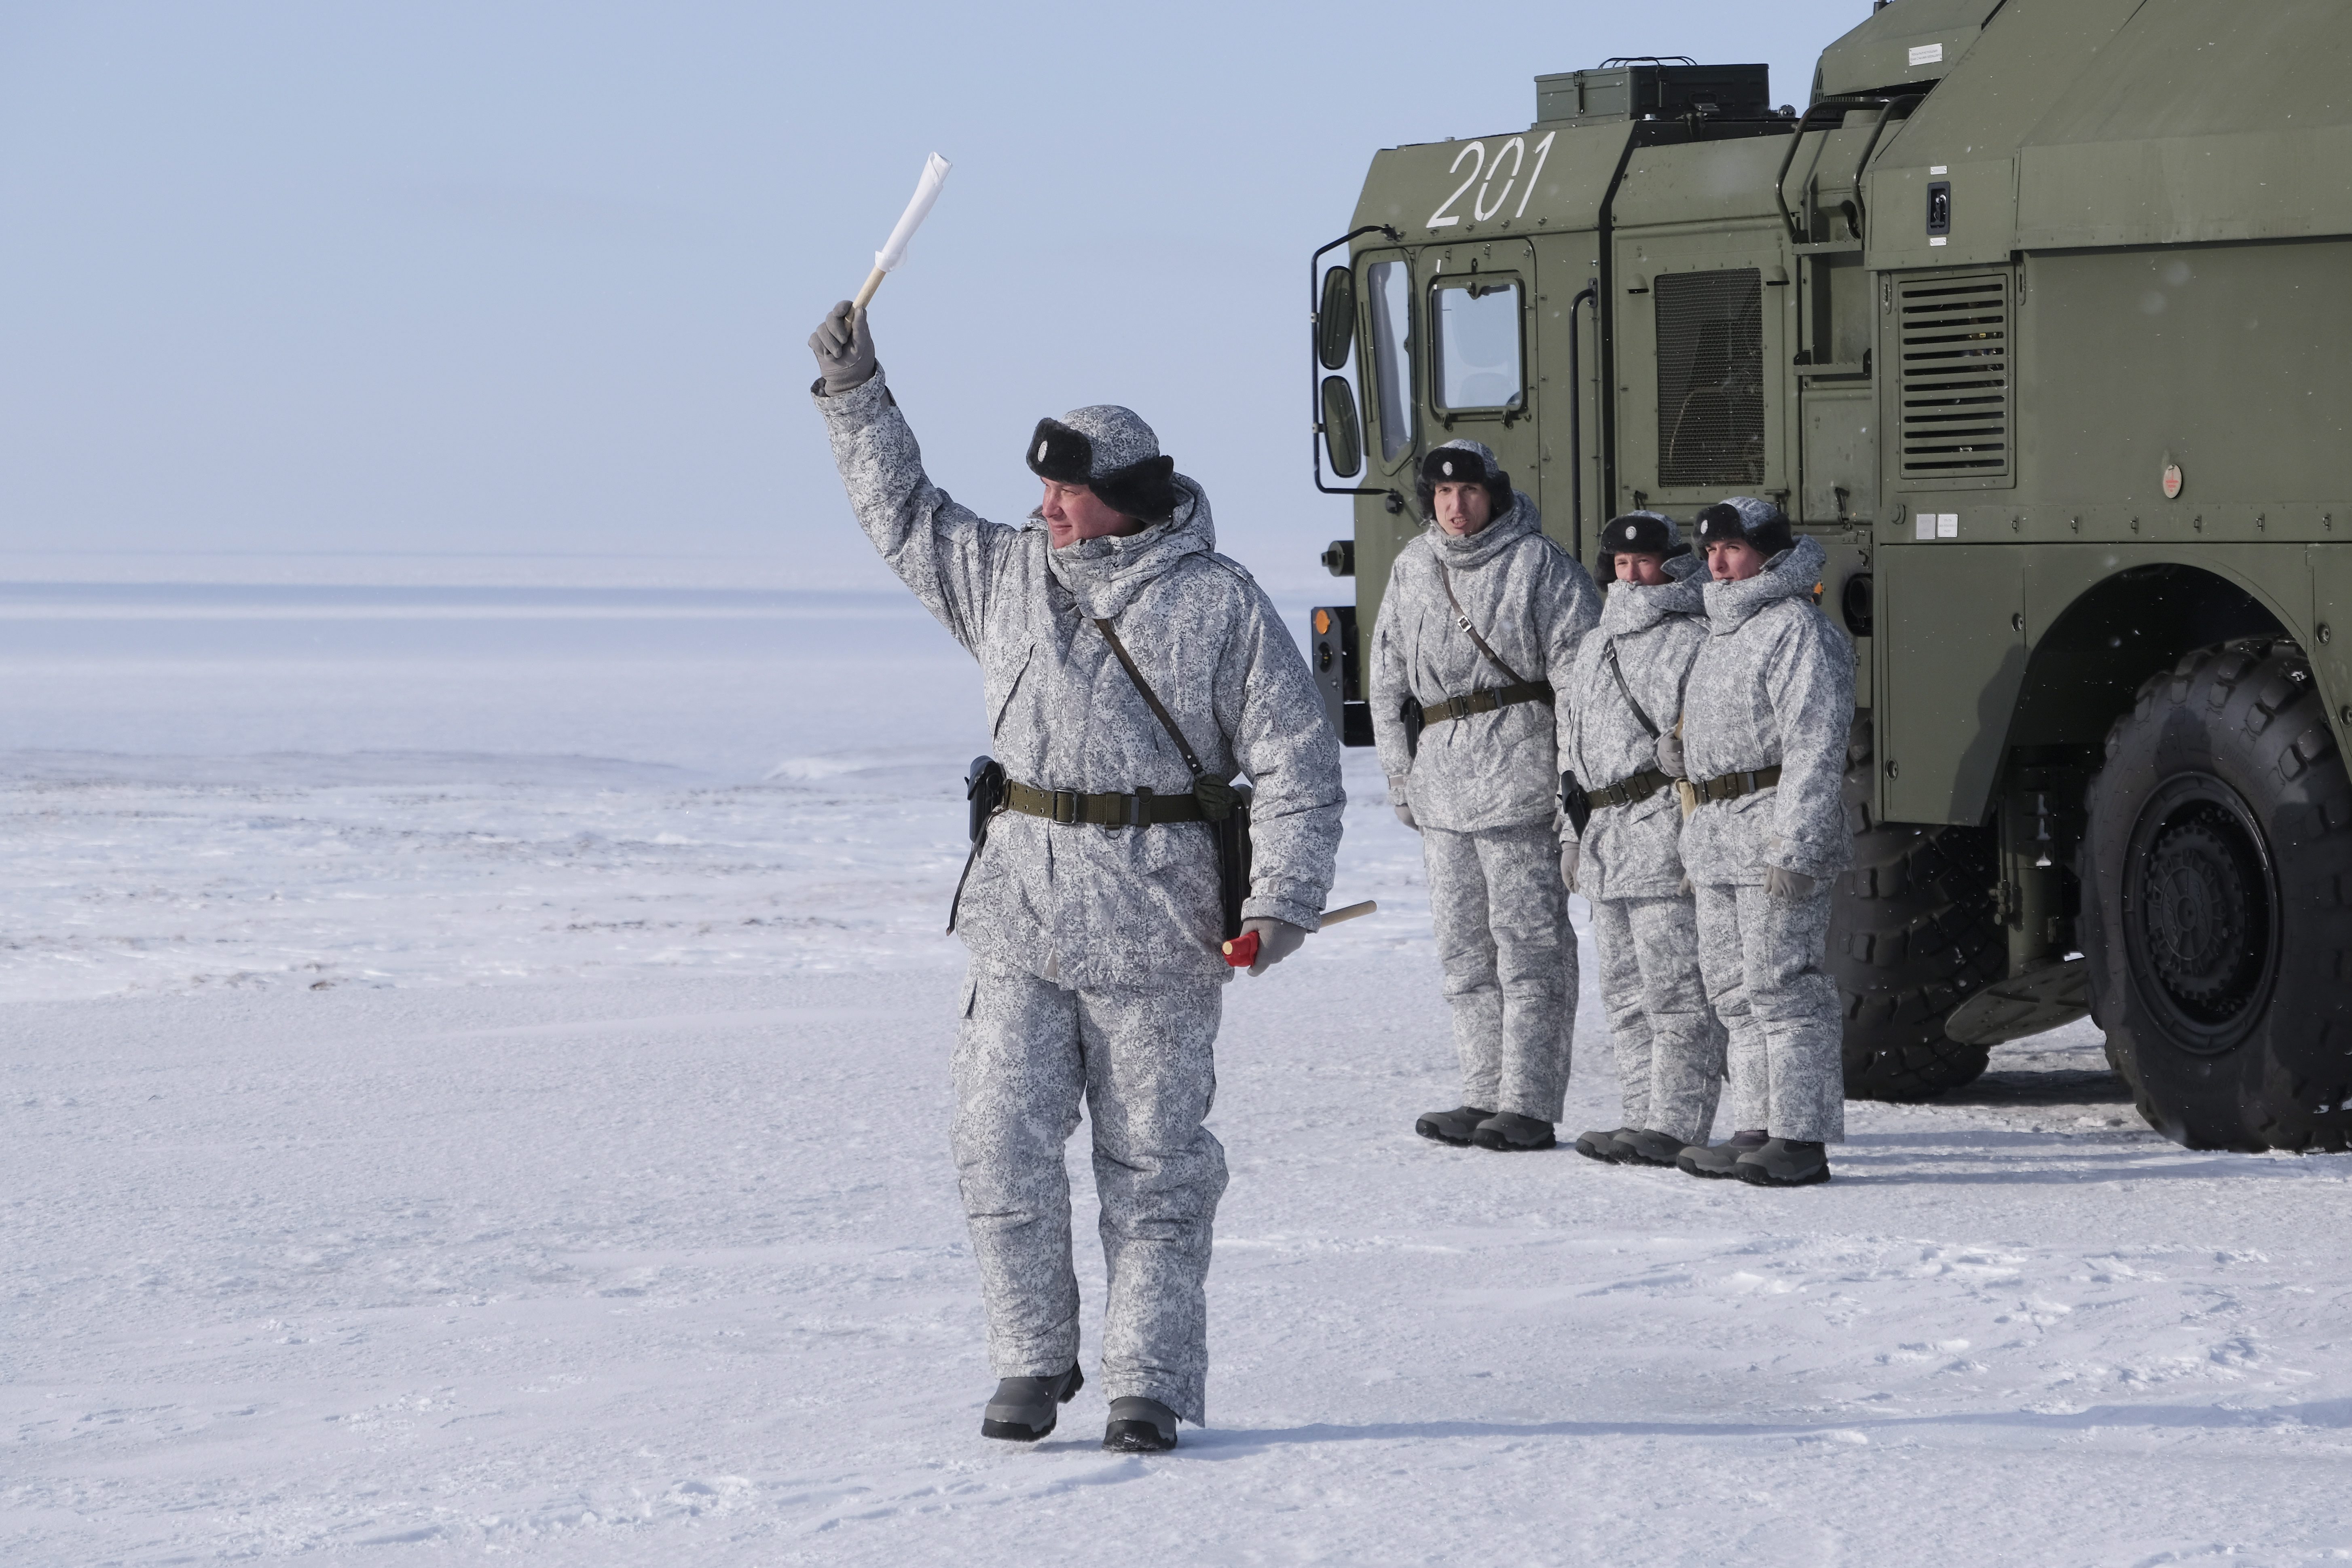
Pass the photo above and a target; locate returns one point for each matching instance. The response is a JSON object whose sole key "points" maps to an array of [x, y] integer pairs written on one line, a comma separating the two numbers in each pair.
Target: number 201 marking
{"points": [[1517, 147]]}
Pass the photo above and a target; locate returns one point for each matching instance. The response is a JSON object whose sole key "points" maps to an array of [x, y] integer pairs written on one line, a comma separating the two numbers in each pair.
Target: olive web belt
{"points": [[1630, 791], [1731, 786], [1140, 809], [1486, 702]]}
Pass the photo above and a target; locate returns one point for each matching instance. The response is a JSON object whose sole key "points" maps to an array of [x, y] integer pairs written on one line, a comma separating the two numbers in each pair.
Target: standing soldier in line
{"points": [[1131, 672], [1625, 856], [1764, 736], [1482, 617]]}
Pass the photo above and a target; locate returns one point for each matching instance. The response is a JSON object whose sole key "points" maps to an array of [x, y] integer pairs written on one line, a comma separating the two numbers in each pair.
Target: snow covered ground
{"points": [[475, 1083]]}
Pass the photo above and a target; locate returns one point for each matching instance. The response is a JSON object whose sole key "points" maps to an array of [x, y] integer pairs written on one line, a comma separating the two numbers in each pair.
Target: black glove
{"points": [[844, 350], [1783, 883]]}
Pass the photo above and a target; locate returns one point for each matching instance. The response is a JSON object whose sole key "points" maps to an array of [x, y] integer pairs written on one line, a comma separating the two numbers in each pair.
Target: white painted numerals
{"points": [[1482, 175]]}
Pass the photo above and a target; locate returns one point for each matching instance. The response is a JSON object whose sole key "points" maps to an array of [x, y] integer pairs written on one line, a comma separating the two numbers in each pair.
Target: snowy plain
{"points": [[476, 1087]]}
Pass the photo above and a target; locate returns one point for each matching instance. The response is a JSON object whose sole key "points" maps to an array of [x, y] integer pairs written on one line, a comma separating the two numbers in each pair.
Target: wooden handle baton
{"points": [[865, 295], [1241, 952]]}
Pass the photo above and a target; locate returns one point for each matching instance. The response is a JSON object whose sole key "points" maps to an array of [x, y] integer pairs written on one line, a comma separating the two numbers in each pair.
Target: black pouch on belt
{"points": [[983, 790], [1409, 713], [1575, 803]]}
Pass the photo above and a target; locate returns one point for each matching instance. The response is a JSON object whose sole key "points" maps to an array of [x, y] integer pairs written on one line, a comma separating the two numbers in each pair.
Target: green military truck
{"points": [[2039, 316]]}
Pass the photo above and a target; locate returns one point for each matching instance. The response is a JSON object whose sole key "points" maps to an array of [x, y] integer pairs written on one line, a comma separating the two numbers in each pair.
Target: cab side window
{"points": [[1391, 297], [1476, 325]]}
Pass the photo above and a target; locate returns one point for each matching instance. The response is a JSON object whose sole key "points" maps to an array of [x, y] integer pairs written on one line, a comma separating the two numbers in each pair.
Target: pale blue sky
{"points": [[535, 278]]}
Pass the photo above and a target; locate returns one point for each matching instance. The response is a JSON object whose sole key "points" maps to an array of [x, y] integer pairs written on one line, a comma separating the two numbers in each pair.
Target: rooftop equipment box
{"points": [[1633, 91]]}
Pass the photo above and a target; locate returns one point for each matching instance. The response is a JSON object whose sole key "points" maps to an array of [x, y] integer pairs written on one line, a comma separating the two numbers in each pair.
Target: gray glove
{"points": [[1568, 859], [1276, 940], [1405, 814], [844, 350], [1783, 883], [1670, 757]]}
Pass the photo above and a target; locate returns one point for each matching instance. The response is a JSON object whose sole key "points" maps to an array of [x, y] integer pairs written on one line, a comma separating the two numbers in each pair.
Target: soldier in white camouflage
{"points": [[1131, 672], [1476, 629], [1626, 857], [1770, 704]]}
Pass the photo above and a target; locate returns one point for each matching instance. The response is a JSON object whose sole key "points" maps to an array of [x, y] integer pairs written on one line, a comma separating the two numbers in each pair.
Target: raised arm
{"points": [[947, 554]]}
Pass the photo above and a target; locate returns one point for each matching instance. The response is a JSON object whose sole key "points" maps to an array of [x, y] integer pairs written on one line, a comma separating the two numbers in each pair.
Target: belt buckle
{"points": [[1066, 805]]}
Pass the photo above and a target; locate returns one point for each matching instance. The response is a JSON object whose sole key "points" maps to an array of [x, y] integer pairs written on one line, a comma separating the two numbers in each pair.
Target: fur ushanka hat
{"points": [[1461, 463], [1758, 523], [1111, 452]]}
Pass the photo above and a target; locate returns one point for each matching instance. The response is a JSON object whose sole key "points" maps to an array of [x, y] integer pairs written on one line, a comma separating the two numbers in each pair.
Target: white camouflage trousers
{"points": [[1761, 957], [1509, 958], [1669, 1047], [1026, 1052]]}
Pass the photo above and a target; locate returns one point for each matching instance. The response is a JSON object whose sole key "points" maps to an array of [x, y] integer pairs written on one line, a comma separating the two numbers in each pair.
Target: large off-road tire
{"points": [[2217, 865], [1913, 934]]}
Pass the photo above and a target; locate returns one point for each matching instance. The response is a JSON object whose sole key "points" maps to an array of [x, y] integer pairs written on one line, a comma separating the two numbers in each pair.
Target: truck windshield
{"points": [[1393, 355], [1477, 331]]}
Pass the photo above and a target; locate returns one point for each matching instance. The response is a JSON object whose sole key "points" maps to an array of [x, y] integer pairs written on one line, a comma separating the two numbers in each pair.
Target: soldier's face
{"points": [[1649, 571], [1073, 512], [1733, 560], [1462, 508]]}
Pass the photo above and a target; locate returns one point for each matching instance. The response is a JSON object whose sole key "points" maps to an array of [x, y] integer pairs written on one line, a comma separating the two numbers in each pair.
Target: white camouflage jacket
{"points": [[1632, 851], [1773, 684], [1108, 906], [1532, 603]]}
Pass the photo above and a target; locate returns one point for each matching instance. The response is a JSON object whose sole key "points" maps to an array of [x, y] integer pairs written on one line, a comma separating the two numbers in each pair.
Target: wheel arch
{"points": [[2114, 631]]}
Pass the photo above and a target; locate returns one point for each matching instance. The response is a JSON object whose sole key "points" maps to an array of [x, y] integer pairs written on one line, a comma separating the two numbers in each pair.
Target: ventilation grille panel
{"points": [[1710, 378], [1954, 343]]}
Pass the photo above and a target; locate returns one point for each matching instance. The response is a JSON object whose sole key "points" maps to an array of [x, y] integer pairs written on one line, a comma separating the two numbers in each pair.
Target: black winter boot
{"points": [[1139, 1426], [1651, 1149], [1698, 1160], [1511, 1132], [1784, 1163], [1608, 1148], [1023, 1410], [1451, 1126]]}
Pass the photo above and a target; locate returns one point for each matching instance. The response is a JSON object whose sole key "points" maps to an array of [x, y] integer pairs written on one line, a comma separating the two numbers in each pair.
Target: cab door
{"points": [[1479, 300]]}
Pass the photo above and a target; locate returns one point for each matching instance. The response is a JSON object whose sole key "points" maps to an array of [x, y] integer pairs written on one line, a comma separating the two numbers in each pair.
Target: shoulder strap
{"points": [[1150, 698], [1608, 657], [1462, 619]]}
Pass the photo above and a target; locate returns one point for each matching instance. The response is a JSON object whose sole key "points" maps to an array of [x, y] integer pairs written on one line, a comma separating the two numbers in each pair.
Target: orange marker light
{"points": [[1322, 623]]}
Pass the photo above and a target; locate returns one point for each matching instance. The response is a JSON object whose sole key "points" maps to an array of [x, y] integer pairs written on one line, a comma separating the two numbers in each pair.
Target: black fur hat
{"points": [[1111, 452], [1458, 463], [1639, 533], [1759, 522]]}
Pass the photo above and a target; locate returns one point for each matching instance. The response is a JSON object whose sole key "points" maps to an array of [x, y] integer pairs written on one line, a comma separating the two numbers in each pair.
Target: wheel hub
{"points": [[2200, 911]]}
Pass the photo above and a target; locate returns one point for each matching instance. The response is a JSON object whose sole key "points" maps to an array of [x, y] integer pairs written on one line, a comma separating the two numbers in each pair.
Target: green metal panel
{"points": [[1908, 45], [1983, 220], [1953, 658], [1840, 454], [1522, 181], [1700, 183], [2230, 363], [2203, 120], [2329, 638]]}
